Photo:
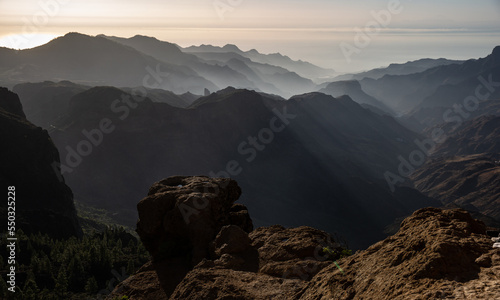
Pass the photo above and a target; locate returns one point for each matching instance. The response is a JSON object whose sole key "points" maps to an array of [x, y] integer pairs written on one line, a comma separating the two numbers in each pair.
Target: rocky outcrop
{"points": [[44, 203], [203, 246], [437, 254], [184, 214], [185, 220]]}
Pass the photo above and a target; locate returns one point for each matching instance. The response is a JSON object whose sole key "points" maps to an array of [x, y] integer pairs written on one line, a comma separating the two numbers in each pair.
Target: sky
{"points": [[345, 35]]}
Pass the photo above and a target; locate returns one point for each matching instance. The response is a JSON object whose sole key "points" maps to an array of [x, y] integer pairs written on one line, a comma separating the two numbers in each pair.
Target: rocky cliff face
{"points": [[44, 203], [436, 254]]}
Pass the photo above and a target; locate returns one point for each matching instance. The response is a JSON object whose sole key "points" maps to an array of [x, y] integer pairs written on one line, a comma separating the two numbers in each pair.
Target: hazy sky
{"points": [[319, 31]]}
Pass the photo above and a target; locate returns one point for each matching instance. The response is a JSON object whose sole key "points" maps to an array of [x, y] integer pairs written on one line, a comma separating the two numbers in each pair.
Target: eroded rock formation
{"points": [[199, 239], [436, 254]]}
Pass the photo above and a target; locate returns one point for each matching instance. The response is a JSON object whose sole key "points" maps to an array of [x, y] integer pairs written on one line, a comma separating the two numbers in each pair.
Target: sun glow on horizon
{"points": [[20, 41], [312, 31]]}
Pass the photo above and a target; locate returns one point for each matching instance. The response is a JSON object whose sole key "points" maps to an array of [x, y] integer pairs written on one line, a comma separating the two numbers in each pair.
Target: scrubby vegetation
{"points": [[338, 253]]}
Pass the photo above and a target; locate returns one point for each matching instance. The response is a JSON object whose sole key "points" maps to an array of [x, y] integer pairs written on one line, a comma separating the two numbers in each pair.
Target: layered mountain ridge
{"points": [[436, 86], [310, 151]]}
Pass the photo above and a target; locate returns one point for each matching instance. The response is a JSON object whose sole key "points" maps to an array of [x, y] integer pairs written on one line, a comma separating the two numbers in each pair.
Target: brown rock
{"points": [[484, 260], [436, 254], [178, 221], [211, 284], [291, 252], [192, 221], [231, 239], [182, 215], [228, 261], [433, 256], [239, 215]]}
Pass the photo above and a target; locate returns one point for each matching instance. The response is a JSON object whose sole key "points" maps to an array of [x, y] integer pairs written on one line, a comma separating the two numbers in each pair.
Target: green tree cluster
{"points": [[73, 268]]}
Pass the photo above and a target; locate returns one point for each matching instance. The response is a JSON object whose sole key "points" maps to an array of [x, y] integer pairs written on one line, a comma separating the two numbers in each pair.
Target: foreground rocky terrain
{"points": [[203, 247], [437, 254]]}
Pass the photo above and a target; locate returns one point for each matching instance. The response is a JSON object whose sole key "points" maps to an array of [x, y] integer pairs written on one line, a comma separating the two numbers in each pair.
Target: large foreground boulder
{"points": [[182, 215], [201, 247]]}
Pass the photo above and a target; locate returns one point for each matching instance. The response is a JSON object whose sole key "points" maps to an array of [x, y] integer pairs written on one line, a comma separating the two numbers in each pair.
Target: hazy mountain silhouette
{"points": [[448, 103], [161, 50], [300, 67], [322, 169], [264, 77], [410, 67], [353, 89], [270, 78], [96, 61], [230, 67], [424, 119], [406, 92], [222, 76], [45, 103]]}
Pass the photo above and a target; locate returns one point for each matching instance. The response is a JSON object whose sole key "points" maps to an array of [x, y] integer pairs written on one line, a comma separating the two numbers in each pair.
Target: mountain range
{"points": [[300, 159], [439, 86], [146, 61], [407, 68], [303, 167], [92, 121], [66, 108]]}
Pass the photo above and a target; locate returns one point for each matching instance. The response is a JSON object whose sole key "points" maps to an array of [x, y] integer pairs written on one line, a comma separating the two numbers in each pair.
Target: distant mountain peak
{"points": [[231, 48], [140, 36], [70, 34], [496, 51]]}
